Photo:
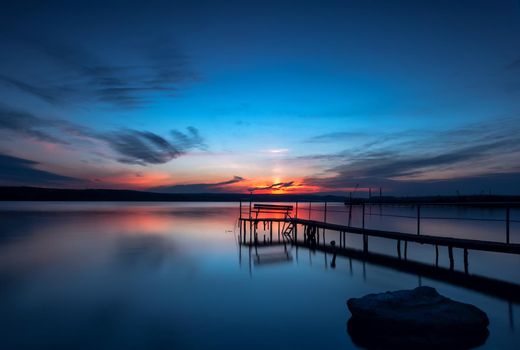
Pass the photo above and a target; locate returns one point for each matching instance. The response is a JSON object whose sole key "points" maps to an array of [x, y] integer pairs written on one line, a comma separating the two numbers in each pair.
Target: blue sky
{"points": [[417, 97]]}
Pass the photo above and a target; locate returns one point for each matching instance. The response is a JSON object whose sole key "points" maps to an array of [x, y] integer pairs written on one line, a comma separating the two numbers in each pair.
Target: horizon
{"points": [[418, 99]]}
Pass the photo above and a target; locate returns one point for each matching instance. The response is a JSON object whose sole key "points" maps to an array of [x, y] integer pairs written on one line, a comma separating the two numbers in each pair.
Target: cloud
{"points": [[19, 171], [79, 75], [199, 187], [42, 93], [29, 125], [335, 137], [145, 147], [275, 186], [477, 151], [132, 146]]}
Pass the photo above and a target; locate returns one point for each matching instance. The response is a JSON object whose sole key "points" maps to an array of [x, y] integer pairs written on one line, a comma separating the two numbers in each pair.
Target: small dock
{"points": [[265, 225]]}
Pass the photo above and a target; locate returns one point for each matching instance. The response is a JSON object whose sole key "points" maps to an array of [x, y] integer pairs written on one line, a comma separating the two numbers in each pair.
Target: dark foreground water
{"points": [[171, 275]]}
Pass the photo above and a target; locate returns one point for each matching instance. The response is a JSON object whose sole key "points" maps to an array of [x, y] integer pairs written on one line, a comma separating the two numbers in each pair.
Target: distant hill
{"points": [[54, 194]]}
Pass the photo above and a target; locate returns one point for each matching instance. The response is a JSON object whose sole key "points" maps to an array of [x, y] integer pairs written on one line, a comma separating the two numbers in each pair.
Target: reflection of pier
{"points": [[283, 229]]}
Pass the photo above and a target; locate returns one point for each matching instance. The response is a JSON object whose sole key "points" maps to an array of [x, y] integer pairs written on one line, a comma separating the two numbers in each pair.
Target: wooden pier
{"points": [[282, 228]]}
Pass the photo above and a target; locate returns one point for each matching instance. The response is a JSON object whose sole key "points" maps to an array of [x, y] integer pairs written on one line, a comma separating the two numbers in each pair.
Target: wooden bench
{"points": [[273, 209]]}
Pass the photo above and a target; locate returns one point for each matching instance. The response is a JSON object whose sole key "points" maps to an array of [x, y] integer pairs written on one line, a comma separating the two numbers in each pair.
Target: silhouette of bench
{"points": [[272, 209]]}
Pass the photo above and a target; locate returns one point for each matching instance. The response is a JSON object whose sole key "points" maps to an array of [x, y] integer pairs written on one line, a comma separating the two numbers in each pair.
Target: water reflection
{"points": [[135, 276]]}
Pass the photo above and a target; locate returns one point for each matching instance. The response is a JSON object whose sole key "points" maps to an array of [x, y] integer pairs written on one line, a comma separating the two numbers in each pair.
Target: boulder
{"points": [[415, 318]]}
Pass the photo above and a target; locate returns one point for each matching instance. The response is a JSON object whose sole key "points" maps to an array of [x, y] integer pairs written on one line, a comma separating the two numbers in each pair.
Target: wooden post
{"points": [[296, 213], [466, 264], [363, 213], [507, 224], [278, 229], [405, 250], [399, 249], [418, 219], [436, 255], [324, 220], [240, 216], [250, 199], [271, 231], [365, 243], [325, 213], [450, 253], [240, 236]]}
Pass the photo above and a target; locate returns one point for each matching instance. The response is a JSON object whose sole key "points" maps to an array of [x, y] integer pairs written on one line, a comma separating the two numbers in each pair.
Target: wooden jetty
{"points": [[283, 228]]}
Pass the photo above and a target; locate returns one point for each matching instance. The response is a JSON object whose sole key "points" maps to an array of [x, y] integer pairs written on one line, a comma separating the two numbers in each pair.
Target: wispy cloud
{"points": [[274, 186], [145, 147], [131, 146], [81, 76], [19, 171], [339, 136], [27, 124], [470, 151], [199, 187]]}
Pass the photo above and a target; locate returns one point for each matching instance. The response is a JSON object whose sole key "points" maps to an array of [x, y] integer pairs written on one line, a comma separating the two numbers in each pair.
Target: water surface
{"points": [[171, 275]]}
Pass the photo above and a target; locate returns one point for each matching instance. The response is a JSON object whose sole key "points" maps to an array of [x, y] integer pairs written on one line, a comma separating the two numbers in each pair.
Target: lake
{"points": [[114, 275]]}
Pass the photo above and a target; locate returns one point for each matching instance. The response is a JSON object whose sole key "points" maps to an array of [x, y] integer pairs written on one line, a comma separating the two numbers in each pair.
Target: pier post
{"points": [[365, 243], [418, 219], [325, 213], [324, 220], [240, 215], [240, 235], [399, 249], [507, 224], [278, 229], [405, 250], [436, 255], [363, 213], [450, 253], [296, 213], [466, 264], [271, 232]]}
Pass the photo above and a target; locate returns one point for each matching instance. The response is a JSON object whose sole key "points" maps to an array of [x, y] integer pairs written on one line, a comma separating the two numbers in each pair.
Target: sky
{"points": [[414, 97]]}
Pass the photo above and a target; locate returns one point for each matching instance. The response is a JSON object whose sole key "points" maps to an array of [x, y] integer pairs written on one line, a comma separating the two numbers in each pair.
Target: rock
{"points": [[415, 318]]}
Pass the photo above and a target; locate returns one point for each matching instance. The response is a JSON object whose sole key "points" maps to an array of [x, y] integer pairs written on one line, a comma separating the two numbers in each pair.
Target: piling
{"points": [[450, 253]]}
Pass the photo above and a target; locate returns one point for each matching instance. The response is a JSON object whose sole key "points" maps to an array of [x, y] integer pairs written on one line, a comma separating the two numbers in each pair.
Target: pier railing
{"points": [[322, 210]]}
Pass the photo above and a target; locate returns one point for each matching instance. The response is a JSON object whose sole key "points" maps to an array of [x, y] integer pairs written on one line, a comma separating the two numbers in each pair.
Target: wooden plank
{"points": [[422, 239], [472, 244]]}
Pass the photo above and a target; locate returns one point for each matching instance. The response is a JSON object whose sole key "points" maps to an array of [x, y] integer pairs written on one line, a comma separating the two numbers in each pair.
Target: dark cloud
{"points": [[412, 163], [144, 147], [80, 76], [29, 125], [133, 146], [336, 136], [200, 187], [19, 171], [42, 93], [190, 139], [275, 186]]}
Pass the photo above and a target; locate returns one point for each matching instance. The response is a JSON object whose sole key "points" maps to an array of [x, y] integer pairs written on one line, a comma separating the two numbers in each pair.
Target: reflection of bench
{"points": [[272, 256], [272, 209]]}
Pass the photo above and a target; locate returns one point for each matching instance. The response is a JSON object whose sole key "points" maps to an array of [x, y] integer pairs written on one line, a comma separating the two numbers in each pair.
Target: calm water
{"points": [[171, 275]]}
